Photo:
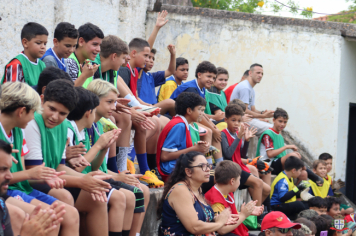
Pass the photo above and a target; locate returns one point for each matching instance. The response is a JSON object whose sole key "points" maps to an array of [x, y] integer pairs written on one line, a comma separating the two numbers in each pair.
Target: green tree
{"points": [[254, 6]]}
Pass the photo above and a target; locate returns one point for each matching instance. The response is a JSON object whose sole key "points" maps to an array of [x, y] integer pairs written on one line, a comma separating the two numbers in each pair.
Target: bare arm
{"points": [[170, 156], [172, 62], [96, 163], [228, 228], [161, 21]]}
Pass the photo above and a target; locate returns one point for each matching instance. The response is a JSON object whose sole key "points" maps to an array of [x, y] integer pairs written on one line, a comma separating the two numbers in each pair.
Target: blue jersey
{"points": [[280, 189], [147, 83], [191, 86]]}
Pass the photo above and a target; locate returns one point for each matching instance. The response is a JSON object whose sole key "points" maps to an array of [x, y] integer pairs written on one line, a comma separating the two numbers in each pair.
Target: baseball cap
{"points": [[278, 219]]}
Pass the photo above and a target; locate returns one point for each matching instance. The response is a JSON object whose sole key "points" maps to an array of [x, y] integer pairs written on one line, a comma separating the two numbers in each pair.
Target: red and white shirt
{"points": [[10, 139], [266, 144]]}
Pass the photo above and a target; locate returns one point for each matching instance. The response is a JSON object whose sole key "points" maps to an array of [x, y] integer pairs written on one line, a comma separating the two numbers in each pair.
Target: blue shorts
{"points": [[33, 195]]}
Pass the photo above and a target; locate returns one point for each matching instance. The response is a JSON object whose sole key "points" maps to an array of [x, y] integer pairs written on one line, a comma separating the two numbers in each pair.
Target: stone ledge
{"points": [[343, 29]]}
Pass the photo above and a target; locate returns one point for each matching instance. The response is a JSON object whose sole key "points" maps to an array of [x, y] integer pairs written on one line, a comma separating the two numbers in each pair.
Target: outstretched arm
{"points": [[172, 63], [161, 21]]}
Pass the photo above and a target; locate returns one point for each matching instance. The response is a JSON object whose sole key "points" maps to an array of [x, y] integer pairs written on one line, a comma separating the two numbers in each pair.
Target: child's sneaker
{"points": [[151, 179], [151, 110], [131, 166]]}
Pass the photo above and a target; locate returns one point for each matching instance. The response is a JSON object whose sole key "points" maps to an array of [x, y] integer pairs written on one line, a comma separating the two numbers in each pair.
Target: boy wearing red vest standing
{"points": [[221, 196], [175, 139]]}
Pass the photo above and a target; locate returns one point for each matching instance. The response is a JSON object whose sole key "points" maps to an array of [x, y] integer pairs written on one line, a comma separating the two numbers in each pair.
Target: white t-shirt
{"points": [[245, 92], [35, 157]]}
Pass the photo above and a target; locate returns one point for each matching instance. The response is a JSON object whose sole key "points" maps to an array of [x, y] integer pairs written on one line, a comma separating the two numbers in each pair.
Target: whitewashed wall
{"points": [[301, 66]]}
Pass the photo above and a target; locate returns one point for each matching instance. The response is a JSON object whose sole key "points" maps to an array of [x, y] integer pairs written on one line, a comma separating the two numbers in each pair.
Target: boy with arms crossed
{"points": [[48, 140], [64, 43], [27, 66]]}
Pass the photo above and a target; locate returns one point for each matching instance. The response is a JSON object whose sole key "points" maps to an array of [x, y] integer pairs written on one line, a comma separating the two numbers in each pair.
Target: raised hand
{"points": [[242, 131], [172, 49], [161, 19], [250, 133]]}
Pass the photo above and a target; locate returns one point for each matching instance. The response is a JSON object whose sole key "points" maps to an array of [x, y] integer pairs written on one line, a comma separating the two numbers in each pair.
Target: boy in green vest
{"points": [[18, 104], [283, 191], [27, 66], [83, 127], [48, 140], [272, 150], [107, 92], [215, 96], [88, 47]]}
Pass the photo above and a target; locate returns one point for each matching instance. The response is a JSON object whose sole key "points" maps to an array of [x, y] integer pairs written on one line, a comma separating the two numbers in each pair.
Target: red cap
{"points": [[279, 220]]}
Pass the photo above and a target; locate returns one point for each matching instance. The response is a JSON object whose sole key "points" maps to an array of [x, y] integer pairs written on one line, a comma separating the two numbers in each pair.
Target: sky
{"points": [[322, 6]]}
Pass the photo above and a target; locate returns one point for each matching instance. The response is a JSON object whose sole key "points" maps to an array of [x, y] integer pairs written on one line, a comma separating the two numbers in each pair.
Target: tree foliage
{"points": [[255, 6]]}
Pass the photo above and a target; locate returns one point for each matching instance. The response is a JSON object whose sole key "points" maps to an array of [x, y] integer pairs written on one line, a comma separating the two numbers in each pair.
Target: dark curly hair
{"points": [[233, 109], [279, 112], [178, 175], [187, 100], [205, 67], [63, 92]]}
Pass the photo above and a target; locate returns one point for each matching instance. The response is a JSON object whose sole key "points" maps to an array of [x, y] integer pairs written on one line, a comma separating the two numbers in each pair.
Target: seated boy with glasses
{"points": [[175, 138]]}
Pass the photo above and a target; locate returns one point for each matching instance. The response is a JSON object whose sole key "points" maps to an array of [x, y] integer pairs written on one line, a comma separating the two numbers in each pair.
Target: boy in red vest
{"points": [[175, 139], [234, 145], [27, 66], [221, 196]]}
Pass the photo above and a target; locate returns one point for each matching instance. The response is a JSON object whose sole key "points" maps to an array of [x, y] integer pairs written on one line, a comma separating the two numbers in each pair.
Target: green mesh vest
{"points": [[31, 72], [86, 143], [194, 133], [109, 76], [278, 142], [218, 100], [87, 82], [23, 186], [53, 141]]}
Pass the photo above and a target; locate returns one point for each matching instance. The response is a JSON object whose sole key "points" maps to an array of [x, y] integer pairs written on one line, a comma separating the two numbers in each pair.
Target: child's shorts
{"points": [[244, 176], [33, 195], [277, 166]]}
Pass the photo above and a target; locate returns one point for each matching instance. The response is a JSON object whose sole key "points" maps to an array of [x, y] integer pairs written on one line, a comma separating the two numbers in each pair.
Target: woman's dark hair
{"points": [[178, 175]]}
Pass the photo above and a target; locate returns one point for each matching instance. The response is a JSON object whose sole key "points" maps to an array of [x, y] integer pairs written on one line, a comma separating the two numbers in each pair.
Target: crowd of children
{"points": [[74, 112]]}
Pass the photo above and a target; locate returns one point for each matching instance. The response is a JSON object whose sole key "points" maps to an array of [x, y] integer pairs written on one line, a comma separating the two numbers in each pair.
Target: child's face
{"points": [[233, 123], [36, 47], [296, 173], [329, 165], [117, 61], [151, 62], [235, 184], [197, 113], [279, 124], [221, 81], [90, 118], [107, 105], [320, 211], [54, 113], [334, 210], [206, 79], [141, 58], [25, 117], [182, 72], [91, 48], [320, 170], [65, 47]]}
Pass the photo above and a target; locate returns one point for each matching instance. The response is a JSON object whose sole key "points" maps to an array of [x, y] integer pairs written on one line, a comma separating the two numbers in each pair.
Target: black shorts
{"points": [[244, 176], [74, 191], [140, 203], [277, 166], [44, 188]]}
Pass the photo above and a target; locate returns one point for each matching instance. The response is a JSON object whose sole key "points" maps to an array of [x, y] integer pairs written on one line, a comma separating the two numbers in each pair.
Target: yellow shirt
{"points": [[166, 90]]}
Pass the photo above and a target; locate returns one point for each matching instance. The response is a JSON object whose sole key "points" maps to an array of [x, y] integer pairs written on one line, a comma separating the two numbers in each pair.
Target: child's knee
{"points": [[266, 188], [253, 170], [65, 196], [117, 199], [71, 215], [303, 175], [16, 213], [146, 192]]}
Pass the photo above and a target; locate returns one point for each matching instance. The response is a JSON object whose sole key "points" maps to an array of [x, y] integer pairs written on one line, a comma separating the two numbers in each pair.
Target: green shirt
{"points": [[218, 100], [194, 133], [17, 141], [278, 142], [30, 70]]}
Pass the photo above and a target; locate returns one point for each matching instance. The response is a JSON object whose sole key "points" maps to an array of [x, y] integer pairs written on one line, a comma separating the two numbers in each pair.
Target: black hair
{"points": [[318, 202], [225, 171], [321, 224], [87, 100], [325, 156], [65, 29], [63, 92], [6, 147], [246, 74], [178, 175], [221, 70], [154, 51], [330, 201], [187, 100], [254, 65], [205, 67], [279, 112], [50, 74], [180, 61], [32, 29], [293, 162], [233, 109], [89, 31], [138, 44], [330, 221]]}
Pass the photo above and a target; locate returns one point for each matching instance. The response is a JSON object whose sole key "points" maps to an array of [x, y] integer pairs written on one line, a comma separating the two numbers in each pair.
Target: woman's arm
{"points": [[187, 214]]}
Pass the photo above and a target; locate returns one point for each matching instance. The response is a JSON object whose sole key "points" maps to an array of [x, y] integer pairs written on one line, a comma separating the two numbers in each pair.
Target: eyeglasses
{"points": [[204, 166], [285, 230]]}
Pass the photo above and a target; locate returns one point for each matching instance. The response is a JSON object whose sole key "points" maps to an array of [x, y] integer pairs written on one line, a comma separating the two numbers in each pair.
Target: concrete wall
{"points": [[301, 66], [124, 18], [347, 95]]}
